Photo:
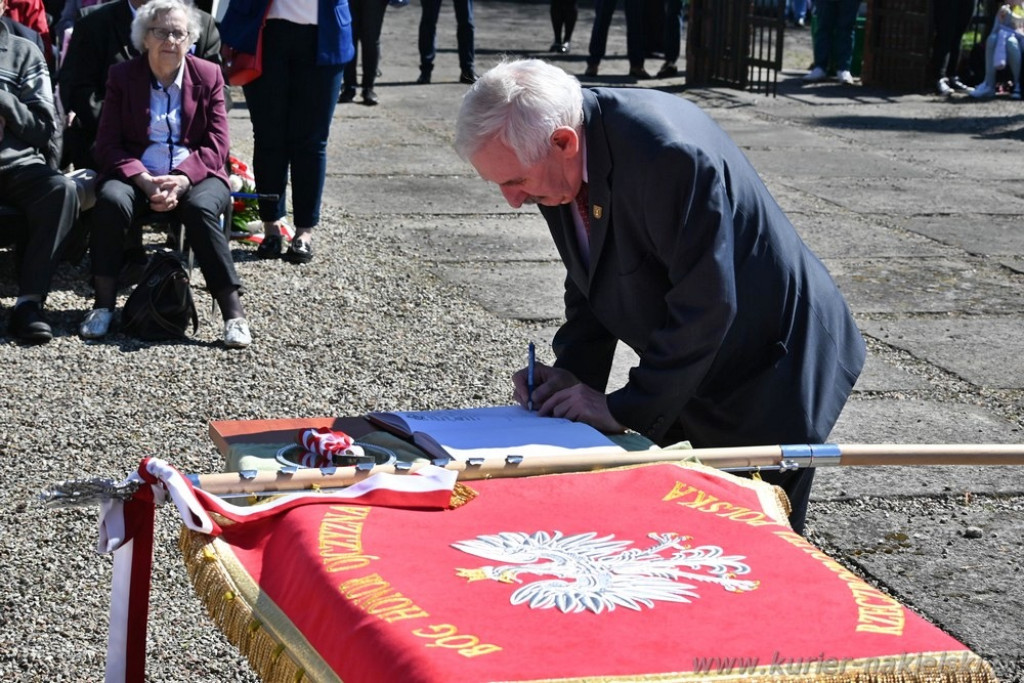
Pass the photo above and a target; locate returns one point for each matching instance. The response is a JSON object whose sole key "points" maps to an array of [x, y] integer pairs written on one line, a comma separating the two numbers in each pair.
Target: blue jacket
{"points": [[242, 20]]}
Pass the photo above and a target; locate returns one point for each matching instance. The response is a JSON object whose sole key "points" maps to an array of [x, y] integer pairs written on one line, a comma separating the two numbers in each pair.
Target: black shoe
{"points": [[369, 97], [299, 252], [424, 78], [668, 70], [564, 48], [269, 248], [27, 324], [348, 93], [468, 77], [639, 73]]}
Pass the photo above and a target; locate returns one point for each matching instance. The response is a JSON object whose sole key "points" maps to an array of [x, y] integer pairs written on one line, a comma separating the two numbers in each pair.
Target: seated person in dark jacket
{"points": [[162, 145], [102, 38], [29, 135]]}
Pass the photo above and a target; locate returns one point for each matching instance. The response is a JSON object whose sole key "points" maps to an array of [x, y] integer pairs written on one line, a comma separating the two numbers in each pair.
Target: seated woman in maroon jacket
{"points": [[162, 145]]}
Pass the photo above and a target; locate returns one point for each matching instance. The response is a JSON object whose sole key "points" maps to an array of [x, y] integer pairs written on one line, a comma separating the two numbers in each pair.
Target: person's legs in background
{"points": [[826, 14], [312, 94], [429, 12], [269, 114], [563, 22], [200, 213], [603, 12], [357, 9], [987, 88], [797, 10], [673, 33], [843, 38], [1013, 60], [465, 32], [636, 48], [373, 22], [952, 18], [49, 201]]}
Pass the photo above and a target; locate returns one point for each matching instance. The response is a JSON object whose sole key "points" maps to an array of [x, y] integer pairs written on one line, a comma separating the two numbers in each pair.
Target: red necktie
{"points": [[583, 205]]}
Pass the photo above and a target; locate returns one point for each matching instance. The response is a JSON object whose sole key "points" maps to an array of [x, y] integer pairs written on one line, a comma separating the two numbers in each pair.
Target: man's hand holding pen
{"points": [[558, 393]]}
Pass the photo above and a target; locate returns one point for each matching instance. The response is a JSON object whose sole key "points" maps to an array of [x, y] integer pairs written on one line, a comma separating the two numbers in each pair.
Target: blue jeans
{"points": [[464, 32], [796, 9], [291, 107], [603, 12], [833, 35]]}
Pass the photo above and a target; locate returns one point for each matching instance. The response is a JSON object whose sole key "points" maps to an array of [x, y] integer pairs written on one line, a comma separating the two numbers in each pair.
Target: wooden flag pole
{"points": [[784, 457]]}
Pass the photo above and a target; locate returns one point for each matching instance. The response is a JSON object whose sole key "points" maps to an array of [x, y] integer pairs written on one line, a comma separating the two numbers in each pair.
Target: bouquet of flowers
{"points": [[245, 219]]}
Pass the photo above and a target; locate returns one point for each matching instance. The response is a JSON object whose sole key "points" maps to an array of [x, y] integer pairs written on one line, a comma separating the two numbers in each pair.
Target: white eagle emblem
{"points": [[599, 574]]}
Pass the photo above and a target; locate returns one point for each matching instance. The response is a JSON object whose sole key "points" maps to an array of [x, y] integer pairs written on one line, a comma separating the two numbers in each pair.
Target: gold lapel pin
{"points": [[598, 211]]}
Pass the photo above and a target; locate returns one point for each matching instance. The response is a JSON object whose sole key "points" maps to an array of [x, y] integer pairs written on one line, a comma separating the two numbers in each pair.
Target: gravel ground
{"points": [[354, 331]]}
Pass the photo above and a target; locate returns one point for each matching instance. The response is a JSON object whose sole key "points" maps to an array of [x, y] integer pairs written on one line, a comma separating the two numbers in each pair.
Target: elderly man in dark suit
{"points": [[674, 246], [102, 38]]}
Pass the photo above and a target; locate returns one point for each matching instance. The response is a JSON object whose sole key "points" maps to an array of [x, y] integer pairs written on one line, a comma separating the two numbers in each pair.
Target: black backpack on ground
{"points": [[161, 305]]}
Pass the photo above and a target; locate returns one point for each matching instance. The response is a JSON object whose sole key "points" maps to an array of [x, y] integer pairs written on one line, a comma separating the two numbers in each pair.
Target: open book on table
{"points": [[490, 432]]}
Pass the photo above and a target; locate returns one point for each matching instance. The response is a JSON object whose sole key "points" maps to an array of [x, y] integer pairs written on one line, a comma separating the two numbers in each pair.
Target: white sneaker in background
{"points": [[845, 77], [236, 333], [96, 324], [943, 88], [814, 75]]}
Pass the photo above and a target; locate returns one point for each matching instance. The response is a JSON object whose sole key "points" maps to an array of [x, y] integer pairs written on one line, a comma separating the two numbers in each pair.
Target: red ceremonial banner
{"points": [[664, 572]]}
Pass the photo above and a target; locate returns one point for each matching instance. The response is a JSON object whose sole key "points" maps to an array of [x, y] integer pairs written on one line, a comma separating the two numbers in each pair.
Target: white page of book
{"points": [[498, 431]]}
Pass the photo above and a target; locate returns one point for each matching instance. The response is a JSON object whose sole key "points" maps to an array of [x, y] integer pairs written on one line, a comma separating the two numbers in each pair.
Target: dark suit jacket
{"points": [[124, 126], [102, 38], [742, 335]]}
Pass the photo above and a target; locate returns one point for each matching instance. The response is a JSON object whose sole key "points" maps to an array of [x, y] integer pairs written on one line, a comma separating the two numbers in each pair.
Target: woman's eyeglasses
{"points": [[174, 36]]}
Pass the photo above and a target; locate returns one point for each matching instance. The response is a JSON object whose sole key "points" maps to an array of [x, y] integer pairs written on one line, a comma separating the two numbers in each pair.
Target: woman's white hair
{"points": [[520, 103], [147, 14]]}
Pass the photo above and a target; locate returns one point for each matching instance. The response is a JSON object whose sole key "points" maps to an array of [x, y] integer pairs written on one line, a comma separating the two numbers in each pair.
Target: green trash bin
{"points": [[858, 44]]}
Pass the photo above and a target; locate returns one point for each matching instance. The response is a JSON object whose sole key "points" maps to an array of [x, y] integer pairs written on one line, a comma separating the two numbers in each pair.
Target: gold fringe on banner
{"points": [[276, 650]]}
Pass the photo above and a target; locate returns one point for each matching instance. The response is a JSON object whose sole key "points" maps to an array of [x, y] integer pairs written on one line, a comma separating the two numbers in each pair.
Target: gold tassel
{"points": [[236, 620]]}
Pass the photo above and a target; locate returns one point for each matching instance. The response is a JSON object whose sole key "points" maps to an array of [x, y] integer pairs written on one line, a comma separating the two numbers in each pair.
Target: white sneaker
{"points": [[236, 333], [943, 87], [983, 91], [96, 324], [814, 75], [845, 77]]}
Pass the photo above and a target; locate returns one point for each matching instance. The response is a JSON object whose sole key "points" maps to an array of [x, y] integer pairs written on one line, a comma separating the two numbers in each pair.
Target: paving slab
{"points": [[984, 351], [837, 234], [512, 237], [926, 285], [974, 233]]}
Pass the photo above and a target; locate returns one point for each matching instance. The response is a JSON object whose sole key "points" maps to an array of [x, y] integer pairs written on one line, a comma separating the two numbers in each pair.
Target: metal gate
{"points": [[735, 43]]}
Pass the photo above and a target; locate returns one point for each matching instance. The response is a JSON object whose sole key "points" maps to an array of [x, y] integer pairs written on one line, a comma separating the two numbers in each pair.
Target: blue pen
{"points": [[531, 361]]}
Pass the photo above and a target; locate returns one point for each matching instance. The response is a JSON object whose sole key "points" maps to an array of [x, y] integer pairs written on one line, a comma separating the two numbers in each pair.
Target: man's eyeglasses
{"points": [[174, 36]]}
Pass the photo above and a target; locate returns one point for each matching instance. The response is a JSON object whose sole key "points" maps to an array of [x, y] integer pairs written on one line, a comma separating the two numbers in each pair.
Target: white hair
{"points": [[147, 14], [520, 103]]}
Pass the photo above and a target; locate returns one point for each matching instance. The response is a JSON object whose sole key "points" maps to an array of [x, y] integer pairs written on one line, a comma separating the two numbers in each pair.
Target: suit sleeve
{"points": [[582, 344], [208, 45], [687, 213], [110, 151], [210, 151]]}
